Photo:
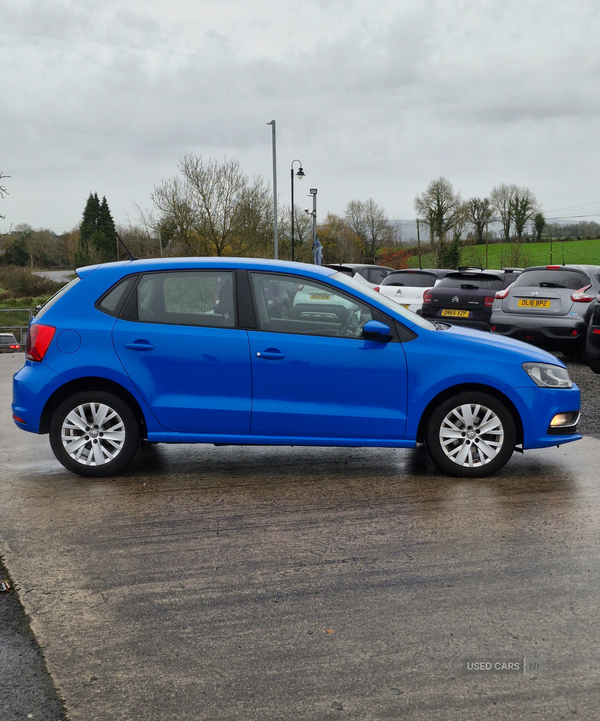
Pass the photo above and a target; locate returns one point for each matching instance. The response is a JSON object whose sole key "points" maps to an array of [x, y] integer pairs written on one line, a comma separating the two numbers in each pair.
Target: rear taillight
{"points": [[376, 289], [39, 338], [501, 294], [427, 296], [488, 301], [14, 347], [580, 296]]}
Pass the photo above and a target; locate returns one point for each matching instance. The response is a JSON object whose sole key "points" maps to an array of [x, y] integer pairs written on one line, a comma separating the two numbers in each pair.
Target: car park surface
{"points": [[278, 583], [549, 306], [140, 350]]}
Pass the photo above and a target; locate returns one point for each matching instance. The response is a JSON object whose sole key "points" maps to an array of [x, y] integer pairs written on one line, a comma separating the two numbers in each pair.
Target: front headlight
{"points": [[545, 375]]}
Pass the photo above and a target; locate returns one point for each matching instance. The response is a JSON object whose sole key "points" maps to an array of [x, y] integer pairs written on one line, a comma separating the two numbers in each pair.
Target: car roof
{"points": [[153, 264], [585, 268]]}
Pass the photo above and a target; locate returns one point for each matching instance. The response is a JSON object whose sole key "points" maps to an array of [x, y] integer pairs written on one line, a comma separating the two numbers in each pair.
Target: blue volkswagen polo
{"points": [[186, 350]]}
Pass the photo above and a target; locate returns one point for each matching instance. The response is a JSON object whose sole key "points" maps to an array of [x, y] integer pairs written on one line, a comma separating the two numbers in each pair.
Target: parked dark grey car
{"points": [[592, 344], [549, 306], [373, 274], [465, 297], [8, 343]]}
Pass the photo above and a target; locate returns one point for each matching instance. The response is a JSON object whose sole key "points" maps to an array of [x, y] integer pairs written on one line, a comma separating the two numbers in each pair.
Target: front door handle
{"points": [[139, 345], [271, 354]]}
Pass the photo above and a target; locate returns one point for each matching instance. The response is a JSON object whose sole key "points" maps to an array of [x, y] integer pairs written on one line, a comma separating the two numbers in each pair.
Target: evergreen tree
{"points": [[89, 223], [107, 233], [97, 232]]}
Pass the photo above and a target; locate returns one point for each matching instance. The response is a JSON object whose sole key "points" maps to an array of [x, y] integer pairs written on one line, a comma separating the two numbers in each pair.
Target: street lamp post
{"points": [[300, 174], [275, 239]]}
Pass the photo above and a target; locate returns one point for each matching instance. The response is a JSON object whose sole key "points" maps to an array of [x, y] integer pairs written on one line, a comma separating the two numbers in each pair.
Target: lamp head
{"points": [[300, 174]]}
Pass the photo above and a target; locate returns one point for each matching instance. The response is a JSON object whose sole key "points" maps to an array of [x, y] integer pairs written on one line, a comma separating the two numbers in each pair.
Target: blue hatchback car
{"points": [[185, 350]]}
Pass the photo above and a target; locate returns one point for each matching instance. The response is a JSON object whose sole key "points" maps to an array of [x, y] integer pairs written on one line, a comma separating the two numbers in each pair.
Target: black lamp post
{"points": [[300, 174]]}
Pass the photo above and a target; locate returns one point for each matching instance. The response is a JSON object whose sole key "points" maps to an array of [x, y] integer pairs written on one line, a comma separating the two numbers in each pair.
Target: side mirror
{"points": [[375, 330]]}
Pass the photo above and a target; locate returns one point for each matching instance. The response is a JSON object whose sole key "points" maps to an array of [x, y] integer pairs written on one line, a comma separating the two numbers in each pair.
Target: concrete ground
{"points": [[294, 583]]}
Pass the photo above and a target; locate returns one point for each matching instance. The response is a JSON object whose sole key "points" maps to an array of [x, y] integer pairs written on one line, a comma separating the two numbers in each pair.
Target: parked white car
{"points": [[406, 287]]}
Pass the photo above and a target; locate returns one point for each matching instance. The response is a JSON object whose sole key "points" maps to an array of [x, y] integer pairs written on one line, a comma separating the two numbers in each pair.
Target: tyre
{"points": [[94, 434], [471, 435]]}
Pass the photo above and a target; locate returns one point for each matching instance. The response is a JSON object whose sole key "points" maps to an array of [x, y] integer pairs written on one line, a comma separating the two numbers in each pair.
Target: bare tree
{"points": [[214, 208], [501, 200], [3, 189], [341, 244], [479, 214], [439, 207], [370, 223], [524, 208]]}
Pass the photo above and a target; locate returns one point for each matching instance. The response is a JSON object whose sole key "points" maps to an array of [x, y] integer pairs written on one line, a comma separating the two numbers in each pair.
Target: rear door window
{"points": [[196, 298]]}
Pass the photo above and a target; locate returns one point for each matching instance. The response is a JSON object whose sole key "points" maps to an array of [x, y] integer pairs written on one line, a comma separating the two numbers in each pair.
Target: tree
{"points": [[214, 208], [98, 236], [439, 207], [539, 223], [524, 207], [501, 200], [3, 190], [341, 244], [369, 221], [479, 214]]}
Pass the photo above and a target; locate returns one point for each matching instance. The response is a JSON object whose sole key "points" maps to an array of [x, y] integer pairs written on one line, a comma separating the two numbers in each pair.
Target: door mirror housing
{"points": [[376, 330]]}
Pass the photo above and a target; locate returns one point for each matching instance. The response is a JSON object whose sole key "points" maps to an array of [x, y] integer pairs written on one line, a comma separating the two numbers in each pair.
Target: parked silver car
{"points": [[548, 306]]}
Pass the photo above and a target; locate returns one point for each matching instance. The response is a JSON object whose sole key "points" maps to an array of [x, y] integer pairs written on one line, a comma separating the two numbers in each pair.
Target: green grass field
{"points": [[500, 255]]}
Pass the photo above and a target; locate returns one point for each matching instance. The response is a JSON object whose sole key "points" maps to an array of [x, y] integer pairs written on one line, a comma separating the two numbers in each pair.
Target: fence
{"points": [[16, 321]]}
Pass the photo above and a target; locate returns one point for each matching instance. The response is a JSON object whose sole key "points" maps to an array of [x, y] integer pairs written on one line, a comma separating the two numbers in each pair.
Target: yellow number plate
{"points": [[455, 313], [319, 296], [533, 303]]}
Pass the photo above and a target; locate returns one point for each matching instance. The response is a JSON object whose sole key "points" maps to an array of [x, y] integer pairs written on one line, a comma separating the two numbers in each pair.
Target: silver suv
{"points": [[548, 306]]}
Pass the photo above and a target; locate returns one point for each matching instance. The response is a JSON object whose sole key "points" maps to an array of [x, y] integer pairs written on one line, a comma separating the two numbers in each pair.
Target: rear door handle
{"points": [[271, 354], [139, 345]]}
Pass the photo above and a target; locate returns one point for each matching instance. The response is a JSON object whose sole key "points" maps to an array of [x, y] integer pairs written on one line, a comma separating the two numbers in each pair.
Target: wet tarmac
{"points": [[295, 583]]}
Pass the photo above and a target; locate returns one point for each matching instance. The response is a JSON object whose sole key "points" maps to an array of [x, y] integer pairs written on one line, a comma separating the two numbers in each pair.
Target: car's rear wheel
{"points": [[94, 433], [472, 434]]}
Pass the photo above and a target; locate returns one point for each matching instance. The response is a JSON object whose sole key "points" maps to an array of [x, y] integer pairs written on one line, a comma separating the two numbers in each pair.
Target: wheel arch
{"points": [[90, 384], [478, 387]]}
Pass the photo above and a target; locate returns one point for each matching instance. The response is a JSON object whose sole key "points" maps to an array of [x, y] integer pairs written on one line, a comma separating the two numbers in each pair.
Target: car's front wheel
{"points": [[94, 433], [472, 434]]}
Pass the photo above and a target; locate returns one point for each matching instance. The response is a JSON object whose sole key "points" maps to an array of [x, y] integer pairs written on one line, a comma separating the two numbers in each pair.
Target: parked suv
{"points": [[592, 345], [465, 297], [549, 306], [8, 343]]}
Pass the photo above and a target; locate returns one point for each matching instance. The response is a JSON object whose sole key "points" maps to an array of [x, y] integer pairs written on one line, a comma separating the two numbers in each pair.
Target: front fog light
{"points": [[563, 419], [546, 375]]}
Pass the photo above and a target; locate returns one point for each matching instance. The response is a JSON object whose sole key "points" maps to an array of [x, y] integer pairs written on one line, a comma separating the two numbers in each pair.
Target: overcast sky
{"points": [[375, 98]]}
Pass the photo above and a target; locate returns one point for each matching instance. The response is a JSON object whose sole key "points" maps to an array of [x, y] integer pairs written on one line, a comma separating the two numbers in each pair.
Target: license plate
{"points": [[319, 296], [533, 303], [455, 313]]}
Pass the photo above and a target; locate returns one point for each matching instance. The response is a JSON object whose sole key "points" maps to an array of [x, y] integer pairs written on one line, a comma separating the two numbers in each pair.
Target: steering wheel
{"points": [[345, 323]]}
